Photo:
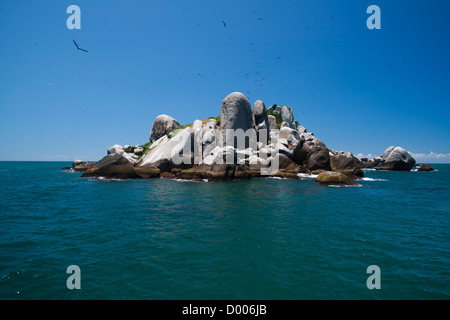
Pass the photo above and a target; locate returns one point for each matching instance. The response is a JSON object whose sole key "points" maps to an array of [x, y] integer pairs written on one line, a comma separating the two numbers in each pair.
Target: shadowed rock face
{"points": [[314, 153], [216, 172], [346, 163], [112, 166], [162, 125], [261, 120]]}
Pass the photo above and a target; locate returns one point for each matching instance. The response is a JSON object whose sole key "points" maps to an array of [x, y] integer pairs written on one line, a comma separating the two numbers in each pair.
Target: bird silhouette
{"points": [[224, 24], [79, 47]]}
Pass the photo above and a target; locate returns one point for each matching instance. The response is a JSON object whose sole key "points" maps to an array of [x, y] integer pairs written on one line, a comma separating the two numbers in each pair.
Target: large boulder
{"points": [[162, 125], [314, 153], [261, 120], [113, 166], [236, 112], [115, 149], [396, 159], [346, 163], [334, 178]]}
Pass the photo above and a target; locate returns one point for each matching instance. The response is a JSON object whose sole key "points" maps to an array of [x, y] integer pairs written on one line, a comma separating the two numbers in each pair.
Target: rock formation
{"points": [[240, 144], [396, 159], [334, 178], [346, 163], [162, 125], [425, 167]]}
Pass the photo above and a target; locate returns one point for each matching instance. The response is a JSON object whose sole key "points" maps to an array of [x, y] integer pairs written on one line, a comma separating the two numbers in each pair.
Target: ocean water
{"points": [[258, 239]]}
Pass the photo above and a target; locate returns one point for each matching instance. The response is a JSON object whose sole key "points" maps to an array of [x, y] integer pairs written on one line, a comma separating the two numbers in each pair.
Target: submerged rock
{"points": [[334, 178], [425, 167]]}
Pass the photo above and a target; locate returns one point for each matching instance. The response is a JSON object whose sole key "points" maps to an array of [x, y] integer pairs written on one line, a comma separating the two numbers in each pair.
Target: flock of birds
{"points": [[259, 79]]}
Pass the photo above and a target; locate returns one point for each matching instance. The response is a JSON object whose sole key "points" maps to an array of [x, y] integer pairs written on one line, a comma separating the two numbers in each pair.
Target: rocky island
{"points": [[240, 143]]}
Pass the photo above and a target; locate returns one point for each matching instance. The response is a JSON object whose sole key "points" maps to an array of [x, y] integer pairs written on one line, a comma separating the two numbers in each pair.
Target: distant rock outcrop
{"points": [[396, 159]]}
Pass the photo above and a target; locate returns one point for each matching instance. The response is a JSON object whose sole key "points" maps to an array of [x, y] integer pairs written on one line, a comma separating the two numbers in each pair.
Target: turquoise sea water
{"points": [[257, 239]]}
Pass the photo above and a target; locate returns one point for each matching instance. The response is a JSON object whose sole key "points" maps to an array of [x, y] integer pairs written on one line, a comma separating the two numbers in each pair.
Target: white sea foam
{"points": [[344, 186], [106, 179], [371, 179], [186, 180], [369, 169], [306, 175]]}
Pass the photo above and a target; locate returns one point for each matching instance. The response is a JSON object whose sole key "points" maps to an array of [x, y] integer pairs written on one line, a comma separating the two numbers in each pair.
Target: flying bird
{"points": [[79, 47], [224, 24]]}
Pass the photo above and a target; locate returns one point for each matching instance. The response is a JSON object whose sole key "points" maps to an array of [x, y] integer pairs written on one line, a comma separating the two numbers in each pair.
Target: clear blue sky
{"points": [[357, 89]]}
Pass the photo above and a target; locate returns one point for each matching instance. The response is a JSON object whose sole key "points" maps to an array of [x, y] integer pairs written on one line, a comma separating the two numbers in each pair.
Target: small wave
{"points": [[106, 179], [369, 169], [345, 186], [187, 180], [308, 176], [371, 179]]}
